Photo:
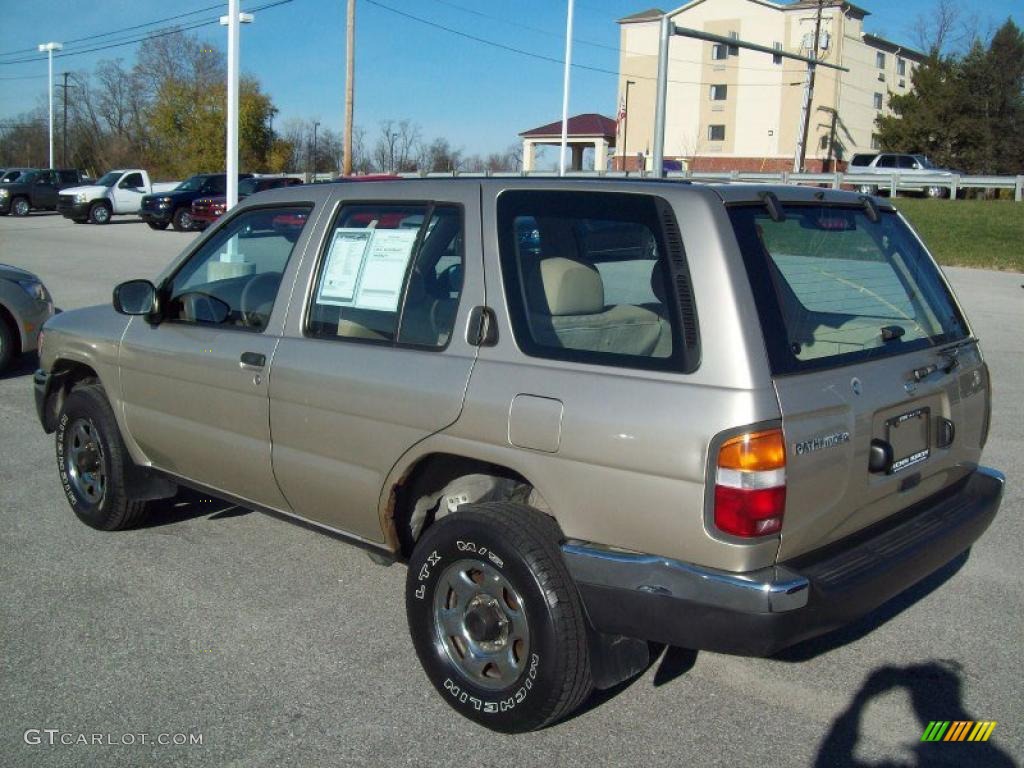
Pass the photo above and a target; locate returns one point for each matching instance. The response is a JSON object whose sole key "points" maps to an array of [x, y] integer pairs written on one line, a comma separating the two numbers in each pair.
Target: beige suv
{"points": [[588, 414]]}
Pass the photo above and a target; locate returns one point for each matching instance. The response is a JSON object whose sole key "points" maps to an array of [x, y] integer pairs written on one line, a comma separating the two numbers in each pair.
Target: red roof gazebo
{"points": [[586, 130]]}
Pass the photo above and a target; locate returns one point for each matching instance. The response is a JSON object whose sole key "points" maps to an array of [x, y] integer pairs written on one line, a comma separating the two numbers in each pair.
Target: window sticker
{"points": [[384, 266], [366, 268], [344, 261]]}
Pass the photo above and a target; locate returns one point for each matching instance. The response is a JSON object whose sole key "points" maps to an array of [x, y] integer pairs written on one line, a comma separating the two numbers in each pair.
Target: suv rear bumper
{"points": [[761, 612]]}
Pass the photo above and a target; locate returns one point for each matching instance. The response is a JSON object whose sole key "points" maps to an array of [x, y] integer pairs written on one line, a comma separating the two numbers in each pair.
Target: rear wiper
{"points": [[893, 332]]}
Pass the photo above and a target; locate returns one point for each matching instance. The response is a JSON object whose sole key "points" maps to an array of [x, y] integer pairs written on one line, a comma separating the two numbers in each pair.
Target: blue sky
{"points": [[476, 95]]}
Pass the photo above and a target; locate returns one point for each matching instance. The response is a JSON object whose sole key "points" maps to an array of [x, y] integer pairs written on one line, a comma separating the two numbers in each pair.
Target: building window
{"points": [[719, 52], [880, 60], [823, 144], [716, 133], [876, 142], [719, 92], [776, 59], [901, 67], [734, 50], [878, 101]]}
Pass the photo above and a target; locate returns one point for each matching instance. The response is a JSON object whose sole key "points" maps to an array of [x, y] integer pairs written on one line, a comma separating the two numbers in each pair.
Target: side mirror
{"points": [[135, 297]]}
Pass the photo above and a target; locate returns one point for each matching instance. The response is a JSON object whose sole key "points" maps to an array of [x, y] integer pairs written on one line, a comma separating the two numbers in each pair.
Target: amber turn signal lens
{"points": [[754, 452]]}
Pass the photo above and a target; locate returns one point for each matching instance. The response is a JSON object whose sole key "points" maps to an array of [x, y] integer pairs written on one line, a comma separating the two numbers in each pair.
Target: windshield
{"points": [[247, 186], [191, 184], [840, 287], [108, 179]]}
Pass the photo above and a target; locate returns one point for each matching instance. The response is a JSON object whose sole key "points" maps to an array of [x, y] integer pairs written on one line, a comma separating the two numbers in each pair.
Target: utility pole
{"points": [[49, 48], [805, 116], [350, 76], [625, 121], [64, 131]]}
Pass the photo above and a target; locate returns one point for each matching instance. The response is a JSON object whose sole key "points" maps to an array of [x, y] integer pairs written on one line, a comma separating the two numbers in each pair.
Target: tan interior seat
{"points": [[567, 309]]}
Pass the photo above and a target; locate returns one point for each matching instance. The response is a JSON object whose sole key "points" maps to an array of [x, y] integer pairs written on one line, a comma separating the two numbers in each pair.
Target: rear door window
{"points": [[834, 287], [588, 278]]}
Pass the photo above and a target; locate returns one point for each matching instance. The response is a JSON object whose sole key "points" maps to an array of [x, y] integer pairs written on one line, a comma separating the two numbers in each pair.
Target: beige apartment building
{"points": [[735, 109]]}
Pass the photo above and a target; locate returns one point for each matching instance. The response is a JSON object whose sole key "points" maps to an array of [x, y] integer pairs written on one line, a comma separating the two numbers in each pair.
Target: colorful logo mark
{"points": [[958, 730]]}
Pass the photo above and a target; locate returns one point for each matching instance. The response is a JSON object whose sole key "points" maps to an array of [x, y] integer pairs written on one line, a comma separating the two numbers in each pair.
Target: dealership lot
{"points": [[283, 647]]}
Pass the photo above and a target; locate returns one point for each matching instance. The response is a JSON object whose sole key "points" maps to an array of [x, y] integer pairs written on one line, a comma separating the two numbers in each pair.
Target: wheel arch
{"points": [[65, 374], [428, 487]]}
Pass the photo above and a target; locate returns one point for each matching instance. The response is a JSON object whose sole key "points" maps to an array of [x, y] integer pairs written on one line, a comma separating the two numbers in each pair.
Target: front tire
{"points": [[99, 213], [6, 344], [93, 463], [20, 206], [182, 220], [496, 619]]}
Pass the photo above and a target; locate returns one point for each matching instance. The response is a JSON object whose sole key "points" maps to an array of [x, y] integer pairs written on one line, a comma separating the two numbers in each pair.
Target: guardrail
{"points": [[892, 183]]}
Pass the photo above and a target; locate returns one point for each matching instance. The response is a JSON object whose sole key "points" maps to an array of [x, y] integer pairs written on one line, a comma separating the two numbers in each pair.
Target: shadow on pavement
{"points": [[863, 626], [23, 365], [935, 689], [188, 505]]}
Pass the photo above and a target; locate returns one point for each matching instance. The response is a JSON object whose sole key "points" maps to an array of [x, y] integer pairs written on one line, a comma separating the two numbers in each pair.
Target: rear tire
{"points": [[99, 213], [159, 225], [496, 619], [20, 206], [93, 463], [936, 193], [182, 220], [7, 342]]}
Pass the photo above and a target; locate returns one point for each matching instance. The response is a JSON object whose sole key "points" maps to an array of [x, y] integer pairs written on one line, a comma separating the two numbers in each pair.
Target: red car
{"points": [[208, 209]]}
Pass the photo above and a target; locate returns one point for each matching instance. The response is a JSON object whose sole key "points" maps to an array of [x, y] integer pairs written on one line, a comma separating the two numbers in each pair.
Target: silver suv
{"points": [[915, 173], [588, 414]]}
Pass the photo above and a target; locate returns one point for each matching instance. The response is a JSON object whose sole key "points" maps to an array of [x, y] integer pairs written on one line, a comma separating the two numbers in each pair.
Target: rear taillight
{"points": [[750, 484]]}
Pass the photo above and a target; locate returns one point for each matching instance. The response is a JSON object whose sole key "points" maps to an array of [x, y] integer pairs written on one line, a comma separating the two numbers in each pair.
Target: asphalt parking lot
{"points": [[283, 647]]}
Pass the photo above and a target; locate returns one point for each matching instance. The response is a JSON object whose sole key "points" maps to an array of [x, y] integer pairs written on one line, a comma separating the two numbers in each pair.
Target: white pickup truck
{"points": [[115, 193]]}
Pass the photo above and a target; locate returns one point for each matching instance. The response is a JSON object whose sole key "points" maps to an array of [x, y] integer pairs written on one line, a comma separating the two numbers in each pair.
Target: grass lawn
{"points": [[970, 233]]}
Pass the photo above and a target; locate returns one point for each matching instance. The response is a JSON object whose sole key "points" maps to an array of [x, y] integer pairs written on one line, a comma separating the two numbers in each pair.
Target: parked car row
{"points": [[185, 206]]}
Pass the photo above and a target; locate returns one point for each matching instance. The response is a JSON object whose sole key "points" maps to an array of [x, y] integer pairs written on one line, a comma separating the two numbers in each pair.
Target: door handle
{"points": [[251, 360]]}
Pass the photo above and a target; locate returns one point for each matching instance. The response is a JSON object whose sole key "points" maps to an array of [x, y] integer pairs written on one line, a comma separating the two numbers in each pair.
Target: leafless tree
{"points": [[396, 147]]}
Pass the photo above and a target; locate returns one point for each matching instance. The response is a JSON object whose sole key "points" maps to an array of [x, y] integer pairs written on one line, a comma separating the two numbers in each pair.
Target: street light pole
{"points": [[231, 21], [625, 122], [49, 48], [565, 90], [315, 126]]}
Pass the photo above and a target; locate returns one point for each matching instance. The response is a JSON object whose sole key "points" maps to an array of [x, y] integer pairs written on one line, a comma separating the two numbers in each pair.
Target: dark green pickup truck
{"points": [[37, 190]]}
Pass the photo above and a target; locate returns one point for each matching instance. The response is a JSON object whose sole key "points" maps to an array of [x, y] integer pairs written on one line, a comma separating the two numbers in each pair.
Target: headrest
{"points": [[571, 287]]}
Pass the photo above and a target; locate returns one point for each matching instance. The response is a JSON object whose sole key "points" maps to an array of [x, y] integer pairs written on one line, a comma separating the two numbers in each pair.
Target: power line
{"points": [[592, 43], [119, 31], [540, 56], [149, 36]]}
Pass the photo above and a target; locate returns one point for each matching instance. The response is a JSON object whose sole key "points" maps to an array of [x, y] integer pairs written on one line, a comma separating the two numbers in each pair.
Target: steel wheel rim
{"points": [[20, 207], [102, 215], [480, 624], [186, 219], [84, 461]]}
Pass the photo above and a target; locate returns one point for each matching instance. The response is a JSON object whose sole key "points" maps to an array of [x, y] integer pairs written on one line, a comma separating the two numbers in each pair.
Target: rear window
{"points": [[862, 160], [833, 287]]}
